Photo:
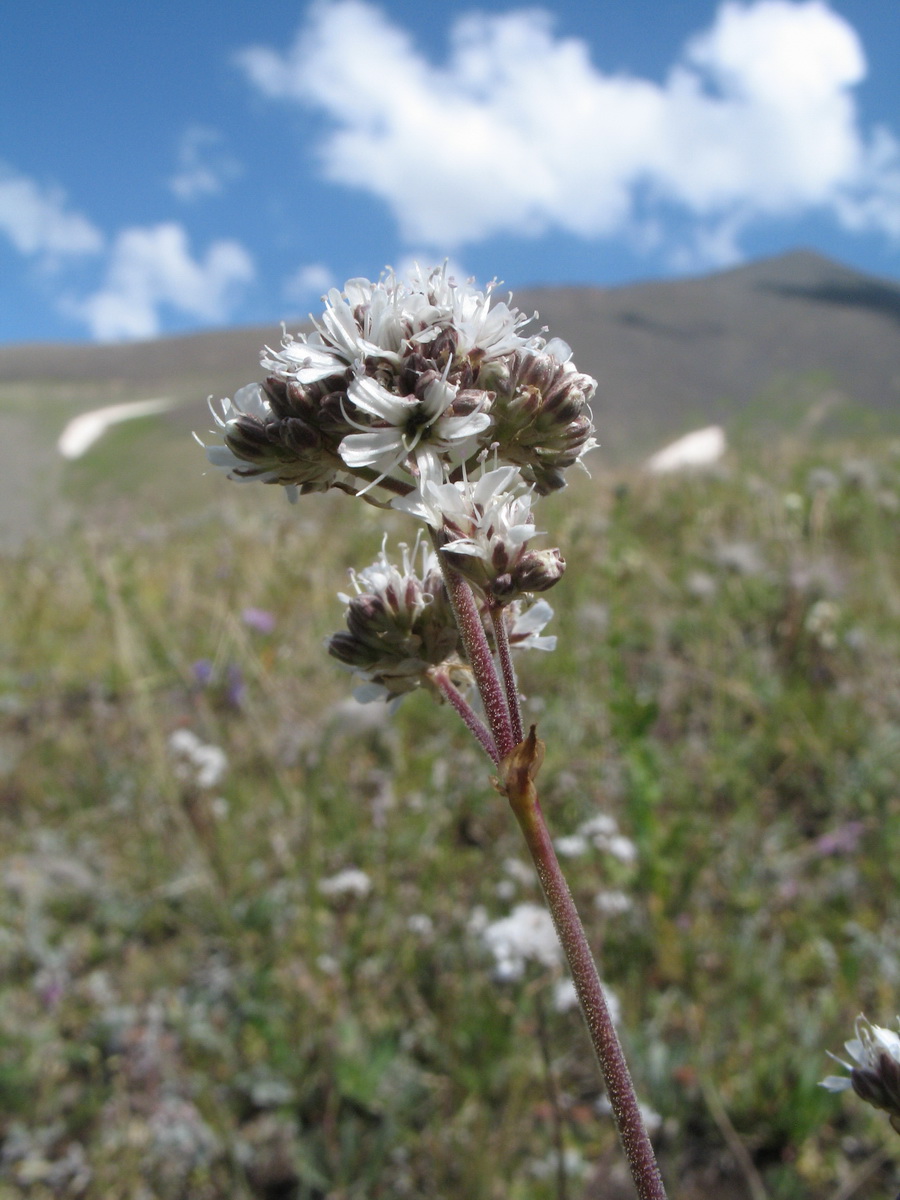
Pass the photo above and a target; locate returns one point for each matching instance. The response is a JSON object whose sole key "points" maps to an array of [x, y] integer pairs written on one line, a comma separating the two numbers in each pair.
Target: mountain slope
{"points": [[765, 344]]}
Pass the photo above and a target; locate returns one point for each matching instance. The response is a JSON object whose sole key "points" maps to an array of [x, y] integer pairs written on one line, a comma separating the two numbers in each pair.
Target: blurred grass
{"points": [[185, 1014]]}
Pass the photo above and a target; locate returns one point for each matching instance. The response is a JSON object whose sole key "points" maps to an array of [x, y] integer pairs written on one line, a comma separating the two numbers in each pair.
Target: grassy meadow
{"points": [[190, 1006]]}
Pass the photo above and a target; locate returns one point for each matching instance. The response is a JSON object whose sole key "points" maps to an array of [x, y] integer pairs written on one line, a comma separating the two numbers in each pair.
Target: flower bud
{"points": [[538, 571], [542, 418]]}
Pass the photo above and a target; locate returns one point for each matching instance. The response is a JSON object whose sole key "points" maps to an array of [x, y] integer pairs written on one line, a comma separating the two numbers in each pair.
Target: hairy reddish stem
{"points": [[517, 783], [473, 722], [501, 640], [478, 652]]}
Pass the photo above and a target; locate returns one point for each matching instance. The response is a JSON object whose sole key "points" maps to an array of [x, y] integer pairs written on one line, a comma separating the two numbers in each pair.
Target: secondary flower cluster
{"points": [[405, 382], [401, 631], [483, 529]]}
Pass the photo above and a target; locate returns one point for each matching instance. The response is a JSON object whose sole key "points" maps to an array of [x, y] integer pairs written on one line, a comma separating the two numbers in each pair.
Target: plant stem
{"points": [[501, 640], [519, 762], [517, 783], [473, 722], [478, 652]]}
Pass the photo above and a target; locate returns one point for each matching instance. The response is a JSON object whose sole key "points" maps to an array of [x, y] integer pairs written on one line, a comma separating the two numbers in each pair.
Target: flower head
{"points": [[269, 438], [195, 762], [875, 1077], [403, 382]]}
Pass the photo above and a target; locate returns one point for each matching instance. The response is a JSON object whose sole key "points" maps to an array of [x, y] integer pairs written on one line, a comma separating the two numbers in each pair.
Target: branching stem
{"points": [[501, 640], [474, 724], [478, 652]]}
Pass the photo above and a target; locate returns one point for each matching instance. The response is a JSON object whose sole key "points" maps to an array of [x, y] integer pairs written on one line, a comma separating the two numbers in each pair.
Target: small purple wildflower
{"points": [[234, 685], [259, 619], [202, 671], [843, 840]]}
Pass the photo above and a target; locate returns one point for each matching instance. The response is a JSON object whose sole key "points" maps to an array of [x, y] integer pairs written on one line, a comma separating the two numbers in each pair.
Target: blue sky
{"points": [[183, 165]]}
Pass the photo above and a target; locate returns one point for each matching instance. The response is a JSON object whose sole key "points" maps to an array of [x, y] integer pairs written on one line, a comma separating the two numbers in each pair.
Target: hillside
{"points": [[784, 341]]}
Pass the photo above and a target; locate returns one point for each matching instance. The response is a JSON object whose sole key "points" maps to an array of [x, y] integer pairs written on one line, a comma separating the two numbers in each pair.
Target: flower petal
{"points": [[370, 449], [368, 394]]}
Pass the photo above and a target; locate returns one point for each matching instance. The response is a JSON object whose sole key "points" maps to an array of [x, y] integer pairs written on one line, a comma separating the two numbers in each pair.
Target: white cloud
{"points": [[517, 131], [38, 221], [152, 268], [308, 283], [204, 166]]}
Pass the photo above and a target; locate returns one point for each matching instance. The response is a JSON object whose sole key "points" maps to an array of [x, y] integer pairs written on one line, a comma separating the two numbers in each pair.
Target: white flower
{"points": [[349, 882], [396, 585], [602, 826], [519, 870], [305, 359], [485, 525], [421, 925], [499, 519], [524, 624], [866, 1050], [461, 505], [876, 1076], [409, 427], [491, 331], [248, 401], [527, 934], [612, 903], [571, 846], [195, 762], [622, 848], [573, 1163]]}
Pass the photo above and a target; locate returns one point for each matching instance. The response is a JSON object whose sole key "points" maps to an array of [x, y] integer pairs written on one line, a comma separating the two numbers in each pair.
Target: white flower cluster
{"points": [[401, 395], [351, 881], [404, 382], [195, 762], [526, 935], [484, 527], [602, 832]]}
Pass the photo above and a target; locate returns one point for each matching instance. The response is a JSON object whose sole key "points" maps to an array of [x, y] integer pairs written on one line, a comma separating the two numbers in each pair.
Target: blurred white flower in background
{"points": [[196, 762], [526, 935], [349, 882]]}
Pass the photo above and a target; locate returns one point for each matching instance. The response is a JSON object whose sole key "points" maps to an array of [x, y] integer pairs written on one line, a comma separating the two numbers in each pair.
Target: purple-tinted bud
{"points": [[538, 570], [542, 418]]}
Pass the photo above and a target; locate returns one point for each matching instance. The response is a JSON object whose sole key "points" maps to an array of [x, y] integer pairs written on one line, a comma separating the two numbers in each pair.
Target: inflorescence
{"points": [[424, 395]]}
